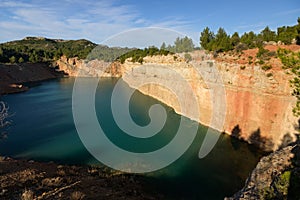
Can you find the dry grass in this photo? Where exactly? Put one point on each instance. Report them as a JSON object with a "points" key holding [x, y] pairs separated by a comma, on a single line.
{"points": [[27, 195], [77, 195]]}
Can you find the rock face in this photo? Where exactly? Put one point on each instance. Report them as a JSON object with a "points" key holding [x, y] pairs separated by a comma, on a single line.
{"points": [[95, 68], [276, 176], [246, 102], [13, 76]]}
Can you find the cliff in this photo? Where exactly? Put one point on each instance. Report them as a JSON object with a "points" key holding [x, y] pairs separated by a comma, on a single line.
{"points": [[13, 76], [276, 176], [244, 101]]}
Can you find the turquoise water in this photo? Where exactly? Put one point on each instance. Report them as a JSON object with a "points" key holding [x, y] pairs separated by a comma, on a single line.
{"points": [[43, 129]]}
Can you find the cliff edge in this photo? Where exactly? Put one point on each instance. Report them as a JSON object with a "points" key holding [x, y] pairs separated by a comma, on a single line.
{"points": [[244, 99]]}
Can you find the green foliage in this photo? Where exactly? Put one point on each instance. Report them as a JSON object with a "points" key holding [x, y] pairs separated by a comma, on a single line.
{"points": [[261, 62], [180, 45], [268, 35], [222, 41], [107, 54], [183, 45], [243, 67], [278, 189], [33, 49], [219, 42], [206, 39], [261, 52], [12, 59], [137, 55], [265, 54], [187, 57], [163, 46], [283, 182], [21, 60], [250, 39], [235, 39], [266, 67], [291, 62], [269, 75]]}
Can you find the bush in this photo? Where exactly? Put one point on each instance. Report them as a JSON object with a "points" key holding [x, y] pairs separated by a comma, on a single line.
{"points": [[243, 67], [241, 47], [266, 67], [269, 75], [27, 195], [261, 62], [188, 57]]}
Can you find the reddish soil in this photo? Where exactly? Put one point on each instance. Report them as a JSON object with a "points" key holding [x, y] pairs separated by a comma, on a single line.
{"points": [[248, 57]]}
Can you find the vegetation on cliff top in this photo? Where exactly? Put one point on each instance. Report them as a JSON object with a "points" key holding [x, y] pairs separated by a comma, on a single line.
{"points": [[291, 62], [222, 42], [33, 49], [37, 49], [180, 45]]}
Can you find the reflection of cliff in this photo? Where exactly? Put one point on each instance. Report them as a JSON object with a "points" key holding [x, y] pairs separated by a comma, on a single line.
{"points": [[258, 108]]}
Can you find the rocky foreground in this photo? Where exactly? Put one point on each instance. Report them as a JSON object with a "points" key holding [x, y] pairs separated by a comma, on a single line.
{"points": [[33, 180], [276, 176]]}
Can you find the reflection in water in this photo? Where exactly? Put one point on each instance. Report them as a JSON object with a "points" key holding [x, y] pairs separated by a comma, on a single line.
{"points": [[49, 134]]}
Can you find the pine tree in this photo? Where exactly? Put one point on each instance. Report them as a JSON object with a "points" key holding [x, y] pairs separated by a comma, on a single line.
{"points": [[206, 39]]}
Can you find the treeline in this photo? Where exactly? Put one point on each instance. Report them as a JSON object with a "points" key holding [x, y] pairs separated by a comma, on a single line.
{"points": [[222, 42], [138, 55], [180, 45], [34, 49]]}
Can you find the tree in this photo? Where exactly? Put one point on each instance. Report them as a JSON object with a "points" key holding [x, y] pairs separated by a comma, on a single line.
{"points": [[12, 59], [248, 39], [235, 39], [163, 46], [222, 41], [206, 39], [21, 60], [268, 35], [183, 45], [187, 57]]}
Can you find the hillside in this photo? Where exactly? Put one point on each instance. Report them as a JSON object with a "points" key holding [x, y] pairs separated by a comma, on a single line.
{"points": [[39, 49]]}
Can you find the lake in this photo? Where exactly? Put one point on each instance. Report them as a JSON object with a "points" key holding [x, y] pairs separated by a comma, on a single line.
{"points": [[43, 129]]}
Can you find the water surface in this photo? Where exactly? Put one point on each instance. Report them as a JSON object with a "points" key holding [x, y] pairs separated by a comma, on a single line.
{"points": [[43, 129]]}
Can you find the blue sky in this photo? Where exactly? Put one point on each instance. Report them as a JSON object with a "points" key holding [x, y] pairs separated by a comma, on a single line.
{"points": [[99, 20]]}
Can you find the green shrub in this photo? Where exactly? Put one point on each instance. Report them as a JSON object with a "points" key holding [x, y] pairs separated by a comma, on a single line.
{"points": [[266, 67], [261, 62], [243, 67], [187, 57], [269, 74]]}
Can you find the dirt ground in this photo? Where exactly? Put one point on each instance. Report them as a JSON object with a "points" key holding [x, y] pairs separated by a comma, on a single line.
{"points": [[20, 179]]}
